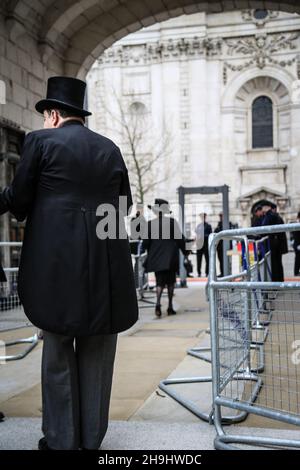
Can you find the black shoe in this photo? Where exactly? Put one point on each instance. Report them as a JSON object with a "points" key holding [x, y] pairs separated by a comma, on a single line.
{"points": [[171, 311], [158, 311], [1, 417], [43, 444]]}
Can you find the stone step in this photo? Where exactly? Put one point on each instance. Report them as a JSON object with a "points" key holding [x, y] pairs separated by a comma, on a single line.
{"points": [[24, 433]]}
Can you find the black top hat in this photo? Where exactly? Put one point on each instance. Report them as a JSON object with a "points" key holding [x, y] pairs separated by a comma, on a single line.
{"points": [[65, 93], [160, 205]]}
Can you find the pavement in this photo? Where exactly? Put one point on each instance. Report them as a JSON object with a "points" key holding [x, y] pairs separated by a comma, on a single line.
{"points": [[141, 415]]}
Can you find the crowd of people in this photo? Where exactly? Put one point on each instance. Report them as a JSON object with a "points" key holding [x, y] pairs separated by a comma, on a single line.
{"points": [[163, 252], [163, 255]]}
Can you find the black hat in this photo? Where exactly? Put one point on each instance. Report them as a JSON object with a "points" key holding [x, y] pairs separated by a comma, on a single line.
{"points": [[160, 205], [65, 93]]}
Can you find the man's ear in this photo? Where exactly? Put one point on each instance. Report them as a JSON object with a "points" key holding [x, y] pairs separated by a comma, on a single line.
{"points": [[55, 117]]}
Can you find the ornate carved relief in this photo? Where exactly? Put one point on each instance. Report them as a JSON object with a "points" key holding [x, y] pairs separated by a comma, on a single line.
{"points": [[261, 47], [260, 194], [162, 50], [249, 15]]}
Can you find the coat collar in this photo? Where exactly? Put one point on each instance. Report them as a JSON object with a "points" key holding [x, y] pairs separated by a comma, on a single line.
{"points": [[71, 122]]}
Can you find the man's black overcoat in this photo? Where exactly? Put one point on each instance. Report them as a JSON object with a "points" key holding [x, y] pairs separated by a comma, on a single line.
{"points": [[71, 282]]}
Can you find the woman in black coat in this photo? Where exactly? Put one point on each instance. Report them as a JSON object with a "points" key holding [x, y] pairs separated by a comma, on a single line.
{"points": [[163, 243]]}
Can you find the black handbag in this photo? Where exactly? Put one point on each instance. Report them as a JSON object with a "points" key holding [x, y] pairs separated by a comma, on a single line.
{"points": [[188, 266]]}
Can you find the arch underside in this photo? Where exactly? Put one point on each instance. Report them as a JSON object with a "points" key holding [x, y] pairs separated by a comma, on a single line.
{"points": [[258, 86], [79, 30]]}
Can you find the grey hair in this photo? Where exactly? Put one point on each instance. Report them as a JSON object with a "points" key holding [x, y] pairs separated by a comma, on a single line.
{"points": [[65, 113]]}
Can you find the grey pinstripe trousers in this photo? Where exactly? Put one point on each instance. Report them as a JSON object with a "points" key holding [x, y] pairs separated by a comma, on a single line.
{"points": [[76, 388]]}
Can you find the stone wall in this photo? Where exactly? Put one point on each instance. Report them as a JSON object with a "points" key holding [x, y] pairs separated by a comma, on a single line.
{"points": [[25, 78]]}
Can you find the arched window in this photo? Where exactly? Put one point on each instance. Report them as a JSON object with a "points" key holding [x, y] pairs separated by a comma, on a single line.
{"points": [[262, 122]]}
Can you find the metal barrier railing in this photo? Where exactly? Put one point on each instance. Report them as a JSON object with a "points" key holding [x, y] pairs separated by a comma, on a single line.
{"points": [[199, 352], [260, 272], [10, 303], [141, 277], [236, 308]]}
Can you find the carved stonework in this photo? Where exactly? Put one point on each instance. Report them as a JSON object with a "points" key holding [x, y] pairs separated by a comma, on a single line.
{"points": [[162, 50], [262, 194], [213, 46], [245, 205], [7, 123], [262, 47], [225, 74], [248, 15], [298, 66]]}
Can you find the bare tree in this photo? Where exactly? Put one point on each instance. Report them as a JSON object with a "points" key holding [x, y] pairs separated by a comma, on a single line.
{"points": [[143, 149]]}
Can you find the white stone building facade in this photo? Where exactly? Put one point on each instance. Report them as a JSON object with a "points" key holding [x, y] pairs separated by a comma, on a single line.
{"points": [[226, 87]]}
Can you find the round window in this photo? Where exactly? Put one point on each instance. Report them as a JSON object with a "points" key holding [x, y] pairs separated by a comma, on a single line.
{"points": [[260, 14]]}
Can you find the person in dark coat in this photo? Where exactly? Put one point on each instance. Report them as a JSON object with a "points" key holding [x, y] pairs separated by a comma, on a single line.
{"points": [[2, 280], [277, 243], [220, 253], [138, 229], [74, 284], [218, 229], [203, 230], [282, 235], [258, 217], [296, 246], [164, 239], [2, 274]]}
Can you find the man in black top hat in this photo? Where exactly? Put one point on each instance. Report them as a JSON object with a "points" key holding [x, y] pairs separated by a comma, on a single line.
{"points": [[74, 284]]}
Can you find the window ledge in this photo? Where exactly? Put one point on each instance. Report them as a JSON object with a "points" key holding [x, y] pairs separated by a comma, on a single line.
{"points": [[263, 149]]}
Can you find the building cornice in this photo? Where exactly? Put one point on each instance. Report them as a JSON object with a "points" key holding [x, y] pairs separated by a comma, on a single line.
{"points": [[163, 50], [238, 53]]}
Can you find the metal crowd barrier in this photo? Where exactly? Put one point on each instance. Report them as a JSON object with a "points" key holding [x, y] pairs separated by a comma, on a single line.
{"points": [[199, 353], [141, 277], [237, 308], [249, 272], [261, 272], [10, 303]]}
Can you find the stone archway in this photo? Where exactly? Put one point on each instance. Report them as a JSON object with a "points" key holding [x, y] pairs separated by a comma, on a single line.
{"points": [[261, 202], [260, 196], [55, 37], [77, 31]]}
